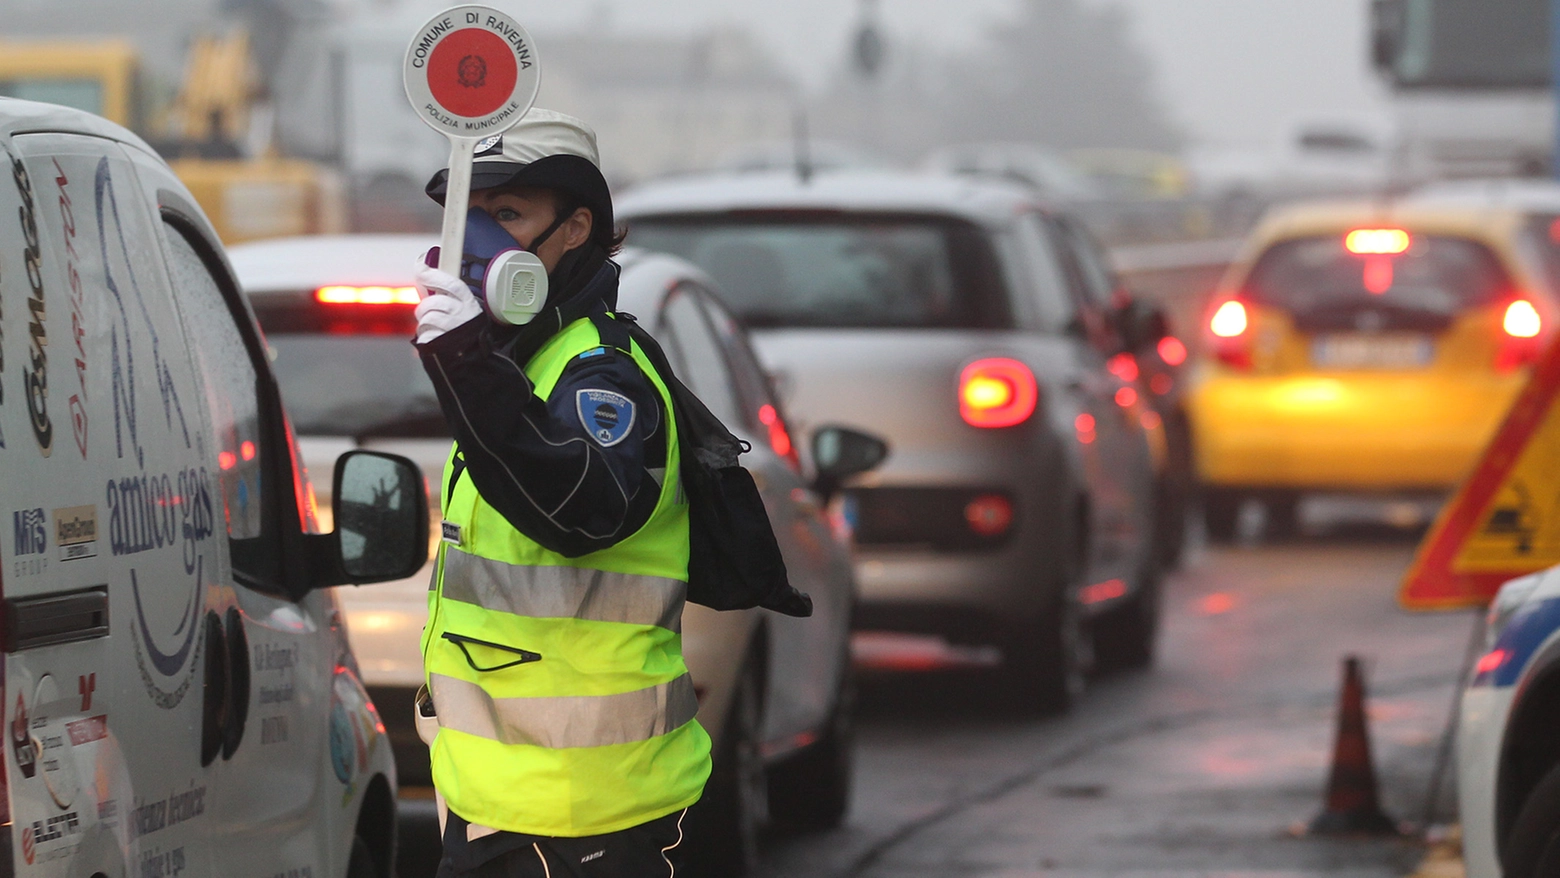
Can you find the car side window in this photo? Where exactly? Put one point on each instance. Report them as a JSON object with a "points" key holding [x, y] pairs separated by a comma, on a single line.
{"points": [[1097, 282], [696, 354], [225, 365], [752, 383], [1044, 275]]}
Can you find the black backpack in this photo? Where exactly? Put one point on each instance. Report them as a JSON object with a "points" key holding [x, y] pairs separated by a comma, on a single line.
{"points": [[734, 562]]}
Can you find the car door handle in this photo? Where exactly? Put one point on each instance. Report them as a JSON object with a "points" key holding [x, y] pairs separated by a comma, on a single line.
{"points": [[52, 619]]}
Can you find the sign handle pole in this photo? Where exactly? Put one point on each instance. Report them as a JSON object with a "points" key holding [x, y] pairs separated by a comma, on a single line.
{"points": [[457, 198]]}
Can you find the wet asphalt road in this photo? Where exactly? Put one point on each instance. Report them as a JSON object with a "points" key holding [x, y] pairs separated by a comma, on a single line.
{"points": [[1204, 765]]}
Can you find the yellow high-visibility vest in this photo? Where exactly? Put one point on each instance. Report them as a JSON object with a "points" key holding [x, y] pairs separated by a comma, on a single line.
{"points": [[598, 734]]}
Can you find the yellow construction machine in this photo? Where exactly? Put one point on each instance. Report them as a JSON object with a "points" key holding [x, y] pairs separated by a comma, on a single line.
{"points": [[207, 131]]}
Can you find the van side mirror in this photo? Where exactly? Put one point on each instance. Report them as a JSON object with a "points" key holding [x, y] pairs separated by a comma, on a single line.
{"points": [[380, 503], [839, 453]]}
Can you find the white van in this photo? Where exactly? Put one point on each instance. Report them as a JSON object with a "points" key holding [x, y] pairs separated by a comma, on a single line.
{"points": [[179, 697]]}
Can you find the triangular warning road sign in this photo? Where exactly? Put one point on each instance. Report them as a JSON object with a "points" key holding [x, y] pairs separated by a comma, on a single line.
{"points": [[1504, 521]]}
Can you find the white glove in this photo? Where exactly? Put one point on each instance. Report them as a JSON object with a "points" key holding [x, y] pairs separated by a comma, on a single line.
{"points": [[447, 303]]}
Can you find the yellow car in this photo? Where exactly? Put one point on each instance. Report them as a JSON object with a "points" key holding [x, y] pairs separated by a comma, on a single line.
{"points": [[1367, 347]]}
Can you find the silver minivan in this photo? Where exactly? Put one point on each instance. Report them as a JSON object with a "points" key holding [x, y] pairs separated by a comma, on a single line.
{"points": [[179, 695]]}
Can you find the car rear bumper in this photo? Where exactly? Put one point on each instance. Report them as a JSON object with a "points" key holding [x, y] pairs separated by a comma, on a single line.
{"points": [[969, 589], [1345, 432]]}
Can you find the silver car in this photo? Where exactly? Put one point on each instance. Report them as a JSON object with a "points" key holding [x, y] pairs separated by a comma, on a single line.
{"points": [[775, 692], [971, 328]]}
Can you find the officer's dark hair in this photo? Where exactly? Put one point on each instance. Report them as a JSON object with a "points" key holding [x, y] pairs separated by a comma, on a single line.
{"points": [[565, 203]]}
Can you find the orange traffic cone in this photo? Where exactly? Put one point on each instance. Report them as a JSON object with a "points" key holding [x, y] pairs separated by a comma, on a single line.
{"points": [[1352, 803]]}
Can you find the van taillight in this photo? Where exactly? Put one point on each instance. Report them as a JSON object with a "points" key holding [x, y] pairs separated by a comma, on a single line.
{"points": [[1520, 327], [997, 392], [1231, 330]]}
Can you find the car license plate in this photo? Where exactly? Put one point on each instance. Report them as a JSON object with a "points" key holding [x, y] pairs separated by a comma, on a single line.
{"points": [[1372, 351]]}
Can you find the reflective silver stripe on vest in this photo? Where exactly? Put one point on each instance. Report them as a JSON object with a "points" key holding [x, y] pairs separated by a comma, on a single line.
{"points": [[563, 592], [567, 721]]}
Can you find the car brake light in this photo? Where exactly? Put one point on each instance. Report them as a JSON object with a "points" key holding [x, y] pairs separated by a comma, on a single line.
{"points": [[1229, 325], [1230, 320], [1521, 324], [989, 515], [779, 437], [345, 295], [1522, 320], [1123, 366], [1377, 242], [1491, 661], [997, 392], [1172, 351]]}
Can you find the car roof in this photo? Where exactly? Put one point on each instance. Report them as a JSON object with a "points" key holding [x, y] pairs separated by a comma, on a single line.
{"points": [[1481, 222], [288, 265], [26, 117], [307, 262], [975, 199]]}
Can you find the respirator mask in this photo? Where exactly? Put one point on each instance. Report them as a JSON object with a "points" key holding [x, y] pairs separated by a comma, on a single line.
{"points": [[509, 279]]}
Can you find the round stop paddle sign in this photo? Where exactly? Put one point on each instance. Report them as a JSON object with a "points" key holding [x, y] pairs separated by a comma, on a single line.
{"points": [[472, 71]]}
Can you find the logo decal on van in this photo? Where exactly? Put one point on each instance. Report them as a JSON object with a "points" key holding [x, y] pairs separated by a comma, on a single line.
{"points": [[36, 377], [78, 408], [121, 351], [172, 663], [75, 532], [31, 534]]}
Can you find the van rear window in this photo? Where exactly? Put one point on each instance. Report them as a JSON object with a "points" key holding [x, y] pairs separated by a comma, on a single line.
{"points": [[833, 270], [1443, 275]]}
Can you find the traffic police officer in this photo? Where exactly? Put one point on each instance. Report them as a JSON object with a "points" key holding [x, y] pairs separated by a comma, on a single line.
{"points": [[566, 740]]}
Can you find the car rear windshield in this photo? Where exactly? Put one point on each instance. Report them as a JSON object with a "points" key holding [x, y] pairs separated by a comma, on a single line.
{"points": [[348, 370], [1443, 275], [846, 271]]}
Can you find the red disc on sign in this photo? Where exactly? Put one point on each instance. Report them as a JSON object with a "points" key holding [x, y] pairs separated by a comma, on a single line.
{"points": [[472, 72]]}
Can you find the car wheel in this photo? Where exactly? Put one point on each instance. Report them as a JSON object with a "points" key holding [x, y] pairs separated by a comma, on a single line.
{"points": [[723, 825], [1533, 847], [1221, 515], [361, 863], [1048, 663], [1124, 637], [811, 790]]}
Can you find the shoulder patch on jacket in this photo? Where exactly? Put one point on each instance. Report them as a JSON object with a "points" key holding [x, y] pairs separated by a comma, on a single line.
{"points": [[605, 415]]}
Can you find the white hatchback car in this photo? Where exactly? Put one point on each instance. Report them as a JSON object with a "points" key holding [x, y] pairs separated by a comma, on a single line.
{"points": [[178, 692], [775, 692], [1508, 757]]}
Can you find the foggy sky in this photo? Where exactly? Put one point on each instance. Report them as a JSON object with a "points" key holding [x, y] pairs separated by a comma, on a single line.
{"points": [[1234, 72]]}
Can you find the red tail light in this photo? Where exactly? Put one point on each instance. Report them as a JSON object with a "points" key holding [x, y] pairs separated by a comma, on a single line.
{"points": [[1123, 366], [779, 437], [1377, 242], [989, 515], [1521, 325], [1172, 351], [345, 295], [1522, 320], [997, 392], [1231, 328]]}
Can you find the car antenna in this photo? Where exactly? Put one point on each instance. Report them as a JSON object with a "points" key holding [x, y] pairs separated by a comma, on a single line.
{"points": [[803, 146]]}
